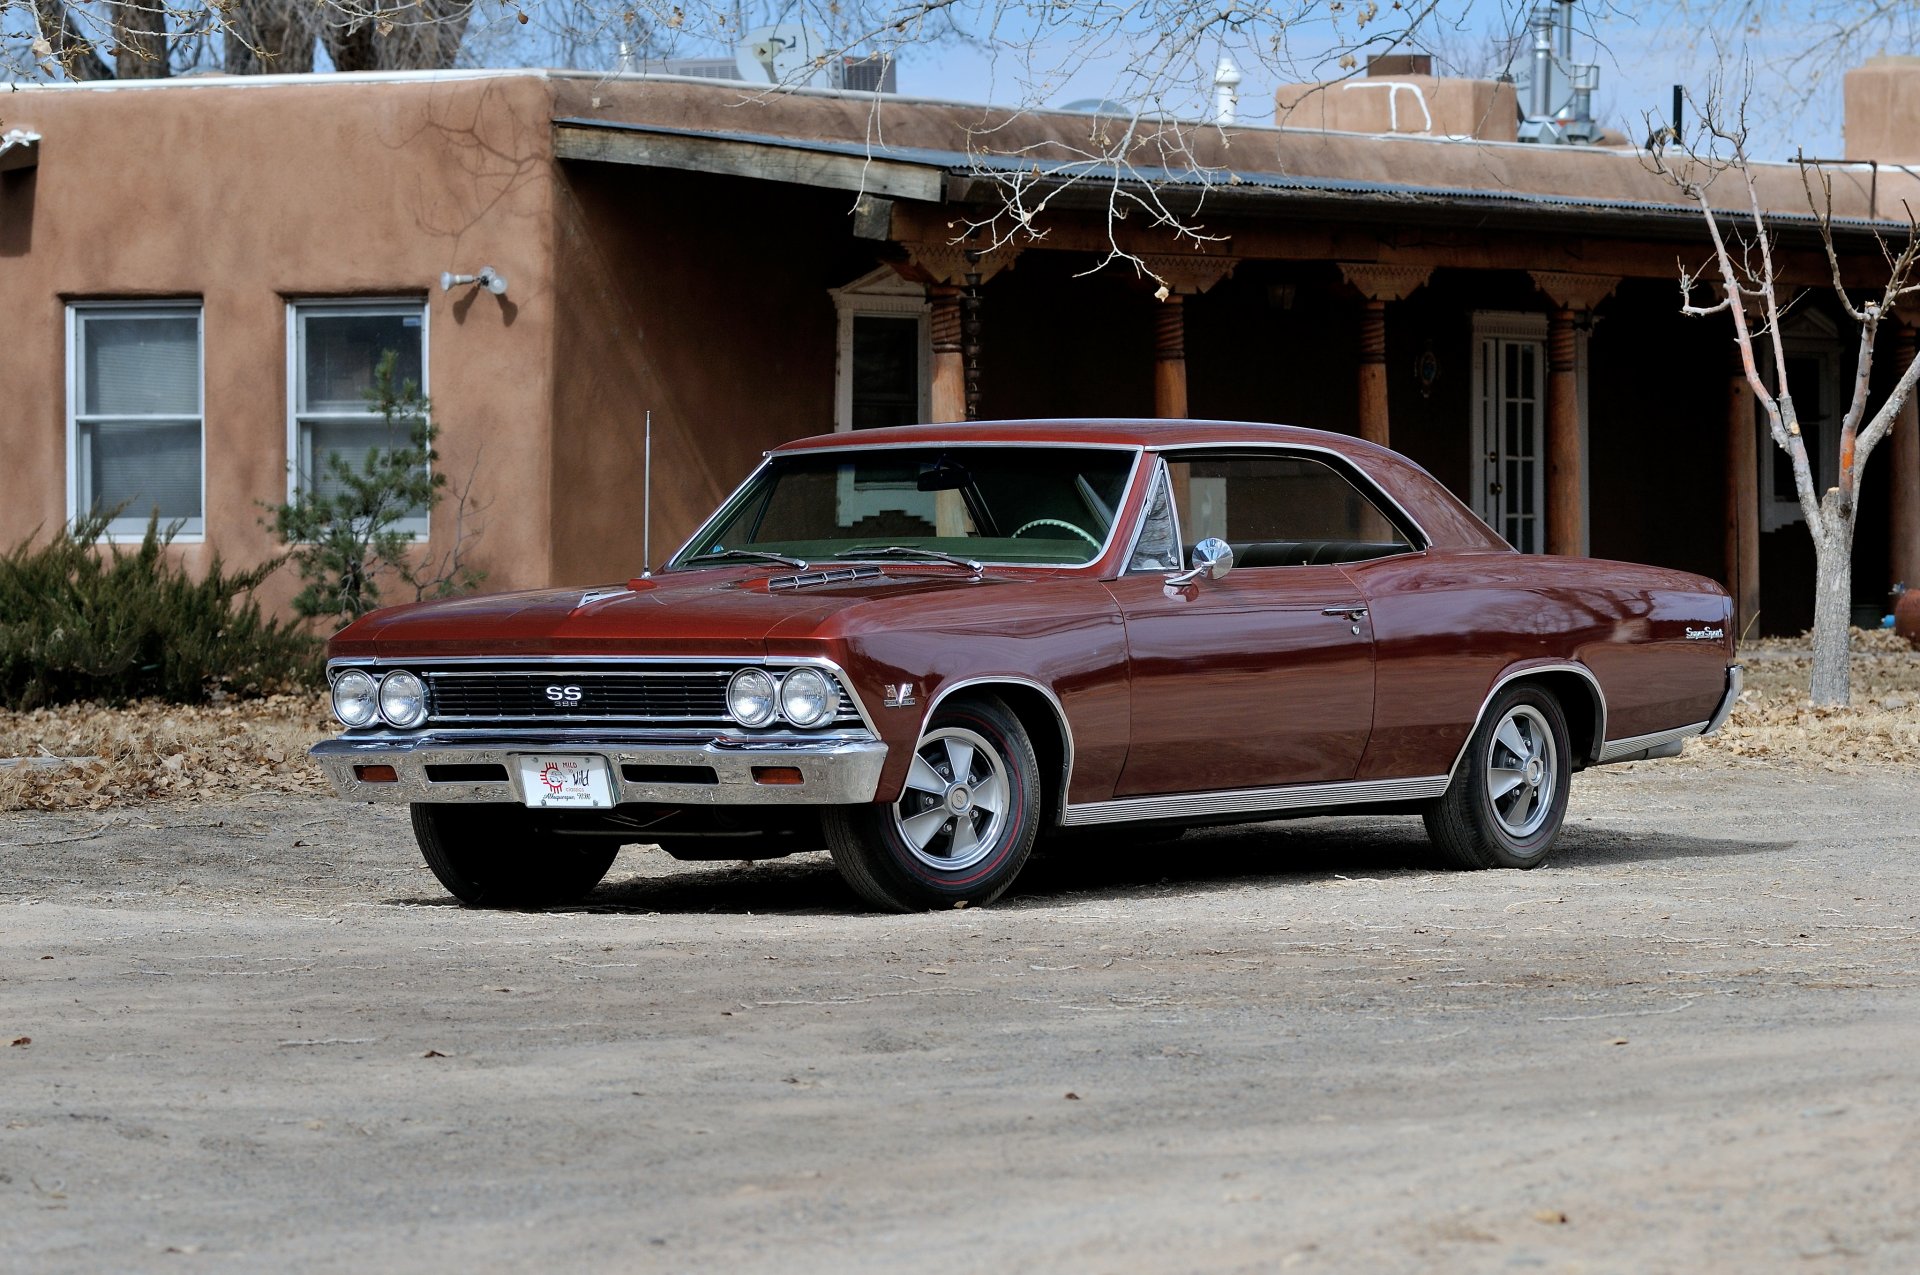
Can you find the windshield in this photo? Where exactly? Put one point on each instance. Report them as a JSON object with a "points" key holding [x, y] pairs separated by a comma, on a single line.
{"points": [[1049, 506]]}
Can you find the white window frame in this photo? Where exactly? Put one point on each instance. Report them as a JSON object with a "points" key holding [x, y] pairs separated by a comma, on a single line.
{"points": [[349, 307], [77, 504], [881, 292]]}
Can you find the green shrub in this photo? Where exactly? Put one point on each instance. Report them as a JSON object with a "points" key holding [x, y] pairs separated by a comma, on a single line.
{"points": [[83, 622], [343, 529]]}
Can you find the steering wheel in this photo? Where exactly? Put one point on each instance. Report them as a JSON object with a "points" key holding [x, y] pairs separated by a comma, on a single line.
{"points": [[1055, 522]]}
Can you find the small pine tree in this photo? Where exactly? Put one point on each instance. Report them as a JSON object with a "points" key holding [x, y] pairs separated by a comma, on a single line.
{"points": [[343, 527]]}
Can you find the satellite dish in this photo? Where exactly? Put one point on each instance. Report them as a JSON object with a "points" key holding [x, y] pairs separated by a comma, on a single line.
{"points": [[788, 54]]}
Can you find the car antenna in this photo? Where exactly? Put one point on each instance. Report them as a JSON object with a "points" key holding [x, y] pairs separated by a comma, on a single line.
{"points": [[646, 501]]}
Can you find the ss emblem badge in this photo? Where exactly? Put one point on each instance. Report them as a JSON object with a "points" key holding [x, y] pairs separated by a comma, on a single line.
{"points": [[563, 696]]}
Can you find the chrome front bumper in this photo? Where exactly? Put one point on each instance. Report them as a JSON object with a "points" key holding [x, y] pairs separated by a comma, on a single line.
{"points": [[839, 770], [1736, 678]]}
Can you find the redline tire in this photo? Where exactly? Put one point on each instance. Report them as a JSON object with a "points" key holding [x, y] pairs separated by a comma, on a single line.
{"points": [[498, 856], [964, 826], [1508, 799]]}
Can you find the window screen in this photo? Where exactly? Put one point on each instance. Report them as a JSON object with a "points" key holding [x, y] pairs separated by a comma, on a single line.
{"points": [[137, 422]]}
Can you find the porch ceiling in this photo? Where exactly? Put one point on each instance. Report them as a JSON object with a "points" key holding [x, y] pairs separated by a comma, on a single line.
{"points": [[956, 177]]}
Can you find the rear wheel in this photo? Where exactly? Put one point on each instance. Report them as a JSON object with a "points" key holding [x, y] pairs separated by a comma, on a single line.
{"points": [[962, 828], [1506, 803], [497, 856]]}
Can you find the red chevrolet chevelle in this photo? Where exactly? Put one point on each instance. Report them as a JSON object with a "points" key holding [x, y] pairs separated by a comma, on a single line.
{"points": [[927, 647]]}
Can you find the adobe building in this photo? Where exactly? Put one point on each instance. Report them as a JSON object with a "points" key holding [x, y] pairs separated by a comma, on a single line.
{"points": [[197, 275]]}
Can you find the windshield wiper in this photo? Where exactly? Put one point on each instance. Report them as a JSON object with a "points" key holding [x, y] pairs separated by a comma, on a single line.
{"points": [[758, 555], [912, 551]]}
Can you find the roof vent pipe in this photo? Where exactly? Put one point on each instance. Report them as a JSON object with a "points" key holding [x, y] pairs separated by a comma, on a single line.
{"points": [[1226, 91], [1540, 85]]}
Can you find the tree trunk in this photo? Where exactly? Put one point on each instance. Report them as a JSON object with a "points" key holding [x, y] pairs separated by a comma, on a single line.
{"points": [[269, 37], [1833, 609], [140, 39]]}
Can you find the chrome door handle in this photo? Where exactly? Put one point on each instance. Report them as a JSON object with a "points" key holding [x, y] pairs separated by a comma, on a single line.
{"points": [[1345, 613]]}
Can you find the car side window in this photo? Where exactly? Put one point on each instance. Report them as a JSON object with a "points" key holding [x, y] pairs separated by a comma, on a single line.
{"points": [[1157, 548], [1279, 510]]}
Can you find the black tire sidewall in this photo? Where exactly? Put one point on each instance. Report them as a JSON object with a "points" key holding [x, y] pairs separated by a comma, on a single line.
{"points": [[1506, 850], [906, 875]]}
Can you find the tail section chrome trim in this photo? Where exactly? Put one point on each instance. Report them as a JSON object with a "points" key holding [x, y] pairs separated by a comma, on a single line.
{"points": [[1736, 679], [1629, 748], [1188, 805]]}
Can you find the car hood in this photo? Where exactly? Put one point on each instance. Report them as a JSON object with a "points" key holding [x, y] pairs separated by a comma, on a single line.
{"points": [[722, 612]]}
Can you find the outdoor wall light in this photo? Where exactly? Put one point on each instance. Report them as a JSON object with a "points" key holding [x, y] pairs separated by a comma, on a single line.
{"points": [[489, 278]]}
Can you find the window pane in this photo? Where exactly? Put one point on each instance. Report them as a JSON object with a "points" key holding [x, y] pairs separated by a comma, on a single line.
{"points": [[342, 351], [144, 466], [1273, 502], [140, 366], [352, 441], [886, 370]]}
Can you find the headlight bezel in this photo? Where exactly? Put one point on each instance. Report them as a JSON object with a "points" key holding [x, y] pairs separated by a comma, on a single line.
{"points": [[352, 679], [396, 684], [800, 681], [737, 688]]}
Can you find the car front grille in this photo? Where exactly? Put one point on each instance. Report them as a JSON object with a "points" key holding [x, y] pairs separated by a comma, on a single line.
{"points": [[690, 697]]}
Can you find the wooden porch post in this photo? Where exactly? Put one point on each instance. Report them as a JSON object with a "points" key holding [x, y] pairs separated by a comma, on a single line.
{"points": [[1378, 284], [1905, 519], [1170, 358], [1572, 295], [949, 389], [1743, 501], [1566, 509], [944, 268], [1181, 276]]}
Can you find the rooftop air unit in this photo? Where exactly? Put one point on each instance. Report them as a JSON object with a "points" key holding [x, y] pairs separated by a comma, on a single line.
{"points": [[1558, 91]]}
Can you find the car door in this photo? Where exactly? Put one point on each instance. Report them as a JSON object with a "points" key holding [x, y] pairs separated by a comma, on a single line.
{"points": [[1263, 677]]}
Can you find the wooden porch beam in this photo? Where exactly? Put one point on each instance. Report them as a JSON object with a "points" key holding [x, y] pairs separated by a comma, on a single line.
{"points": [[731, 157]]}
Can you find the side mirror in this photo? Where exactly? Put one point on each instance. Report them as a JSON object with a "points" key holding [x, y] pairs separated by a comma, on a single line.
{"points": [[1212, 558]]}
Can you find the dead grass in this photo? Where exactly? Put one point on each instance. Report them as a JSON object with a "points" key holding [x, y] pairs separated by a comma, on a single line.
{"points": [[159, 752]]}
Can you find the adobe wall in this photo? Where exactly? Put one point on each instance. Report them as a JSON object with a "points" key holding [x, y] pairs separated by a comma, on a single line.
{"points": [[248, 195]]}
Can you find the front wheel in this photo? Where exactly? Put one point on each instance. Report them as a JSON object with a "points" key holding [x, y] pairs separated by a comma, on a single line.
{"points": [[1506, 802], [499, 856], [962, 828]]}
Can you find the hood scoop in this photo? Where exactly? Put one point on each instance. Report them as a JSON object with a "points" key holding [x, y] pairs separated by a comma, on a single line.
{"points": [[831, 575]]}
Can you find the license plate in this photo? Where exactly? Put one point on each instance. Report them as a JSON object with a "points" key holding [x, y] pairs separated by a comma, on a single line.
{"points": [[551, 782]]}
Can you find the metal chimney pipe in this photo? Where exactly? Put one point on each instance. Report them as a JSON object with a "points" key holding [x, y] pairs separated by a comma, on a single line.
{"points": [[1565, 31], [1539, 86]]}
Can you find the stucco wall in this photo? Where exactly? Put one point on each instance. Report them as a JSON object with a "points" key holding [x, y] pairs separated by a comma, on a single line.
{"points": [[705, 299], [248, 195]]}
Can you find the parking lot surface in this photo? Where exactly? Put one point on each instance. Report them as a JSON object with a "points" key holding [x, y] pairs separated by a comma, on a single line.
{"points": [[254, 1035]]}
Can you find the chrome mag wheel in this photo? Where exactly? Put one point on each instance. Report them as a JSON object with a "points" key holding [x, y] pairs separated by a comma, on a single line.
{"points": [[1522, 771], [951, 814]]}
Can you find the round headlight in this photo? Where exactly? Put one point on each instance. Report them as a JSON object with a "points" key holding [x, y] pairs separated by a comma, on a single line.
{"points": [[750, 697], [355, 698], [807, 698], [403, 699]]}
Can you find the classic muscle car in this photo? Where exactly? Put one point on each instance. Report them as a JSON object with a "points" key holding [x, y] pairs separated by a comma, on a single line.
{"points": [[927, 647]]}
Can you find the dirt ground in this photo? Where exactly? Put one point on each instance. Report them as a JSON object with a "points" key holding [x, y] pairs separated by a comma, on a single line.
{"points": [[250, 1033]]}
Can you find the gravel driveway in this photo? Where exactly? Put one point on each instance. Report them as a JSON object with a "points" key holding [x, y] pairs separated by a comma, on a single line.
{"points": [[260, 1038]]}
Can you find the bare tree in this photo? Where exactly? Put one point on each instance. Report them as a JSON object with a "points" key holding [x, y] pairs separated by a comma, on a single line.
{"points": [[151, 39], [1744, 261]]}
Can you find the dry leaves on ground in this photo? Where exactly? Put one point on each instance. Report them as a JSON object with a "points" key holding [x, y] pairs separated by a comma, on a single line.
{"points": [[154, 751], [1775, 721]]}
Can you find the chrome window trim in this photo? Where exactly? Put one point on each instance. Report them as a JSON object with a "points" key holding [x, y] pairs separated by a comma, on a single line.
{"points": [[341, 663], [1231, 801], [1021, 680], [1530, 670], [1160, 475], [1126, 488]]}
